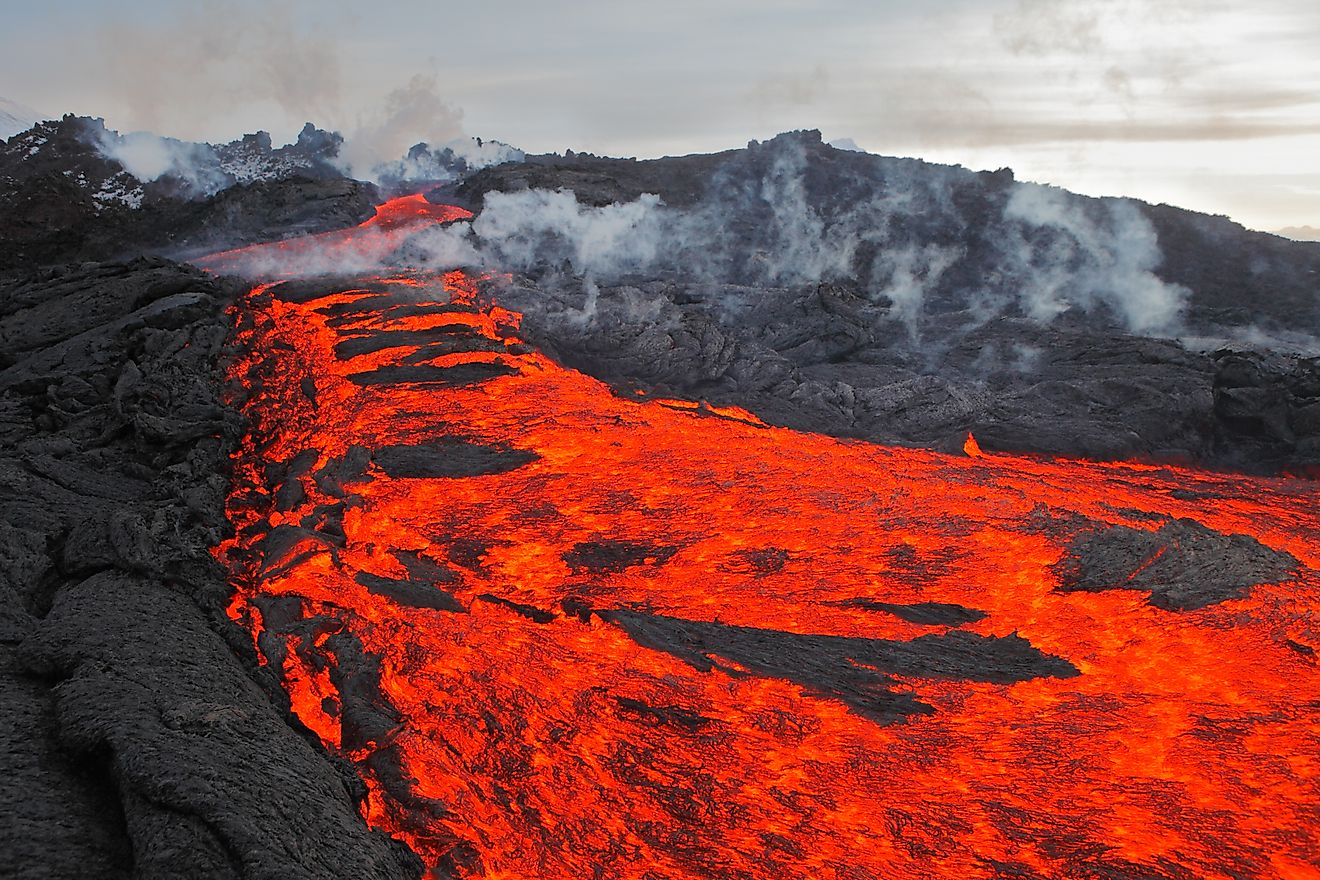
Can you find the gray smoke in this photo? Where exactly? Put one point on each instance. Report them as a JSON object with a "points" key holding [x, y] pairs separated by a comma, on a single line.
{"points": [[197, 62], [417, 135]]}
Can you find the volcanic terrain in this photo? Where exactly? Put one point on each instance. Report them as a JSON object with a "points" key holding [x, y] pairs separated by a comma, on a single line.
{"points": [[778, 513]]}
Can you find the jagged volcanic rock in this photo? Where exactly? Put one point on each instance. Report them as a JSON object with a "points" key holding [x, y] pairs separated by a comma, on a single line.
{"points": [[139, 743]]}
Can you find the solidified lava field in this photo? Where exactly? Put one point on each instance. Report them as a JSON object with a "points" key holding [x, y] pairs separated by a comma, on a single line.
{"points": [[564, 630]]}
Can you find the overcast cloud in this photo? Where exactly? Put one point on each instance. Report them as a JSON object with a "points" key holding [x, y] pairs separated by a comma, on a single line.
{"points": [[1209, 104]]}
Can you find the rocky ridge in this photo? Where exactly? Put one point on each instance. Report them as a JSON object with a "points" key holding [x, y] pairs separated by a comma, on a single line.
{"points": [[64, 196]]}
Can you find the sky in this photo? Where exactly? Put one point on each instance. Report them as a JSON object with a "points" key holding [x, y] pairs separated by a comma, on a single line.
{"points": [[1205, 104]]}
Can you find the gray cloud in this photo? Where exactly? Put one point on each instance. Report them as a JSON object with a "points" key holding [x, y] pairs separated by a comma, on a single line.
{"points": [[804, 88], [1045, 27], [1010, 132], [173, 72]]}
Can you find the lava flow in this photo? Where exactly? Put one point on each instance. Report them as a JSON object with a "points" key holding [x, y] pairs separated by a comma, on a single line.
{"points": [[354, 249], [564, 632]]}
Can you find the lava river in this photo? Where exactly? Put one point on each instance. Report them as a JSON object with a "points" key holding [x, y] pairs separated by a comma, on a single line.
{"points": [[568, 632]]}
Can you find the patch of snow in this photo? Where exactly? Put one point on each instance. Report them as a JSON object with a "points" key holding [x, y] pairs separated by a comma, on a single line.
{"points": [[253, 167], [122, 188], [28, 144]]}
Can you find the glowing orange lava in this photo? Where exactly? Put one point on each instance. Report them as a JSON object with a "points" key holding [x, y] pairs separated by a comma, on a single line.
{"points": [[352, 249], [507, 543]]}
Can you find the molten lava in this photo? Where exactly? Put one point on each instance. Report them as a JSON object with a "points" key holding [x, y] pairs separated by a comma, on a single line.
{"points": [[566, 633]]}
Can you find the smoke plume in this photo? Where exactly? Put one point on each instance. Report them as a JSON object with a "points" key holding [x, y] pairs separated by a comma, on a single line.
{"points": [[412, 114]]}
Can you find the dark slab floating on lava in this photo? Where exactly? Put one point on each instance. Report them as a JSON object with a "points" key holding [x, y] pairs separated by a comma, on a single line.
{"points": [[462, 345], [422, 569], [387, 305], [1183, 564], [301, 291], [435, 342], [433, 376], [286, 545], [676, 717], [531, 612], [856, 671], [924, 613], [410, 593], [449, 457], [612, 557]]}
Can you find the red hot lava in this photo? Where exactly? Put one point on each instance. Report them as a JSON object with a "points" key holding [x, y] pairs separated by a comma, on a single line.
{"points": [[562, 633]]}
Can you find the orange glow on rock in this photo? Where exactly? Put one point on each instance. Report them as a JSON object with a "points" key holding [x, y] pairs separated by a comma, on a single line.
{"points": [[504, 545], [971, 447]]}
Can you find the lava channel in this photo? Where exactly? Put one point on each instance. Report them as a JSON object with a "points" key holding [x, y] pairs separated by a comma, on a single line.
{"points": [[563, 633]]}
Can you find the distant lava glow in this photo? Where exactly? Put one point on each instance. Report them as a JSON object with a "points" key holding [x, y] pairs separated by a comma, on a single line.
{"points": [[566, 633]]}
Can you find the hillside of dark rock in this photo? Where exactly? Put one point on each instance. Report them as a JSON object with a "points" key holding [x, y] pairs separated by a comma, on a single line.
{"points": [[898, 301], [1235, 279]]}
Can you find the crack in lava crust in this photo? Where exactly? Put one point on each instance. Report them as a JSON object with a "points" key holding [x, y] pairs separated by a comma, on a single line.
{"points": [[562, 633]]}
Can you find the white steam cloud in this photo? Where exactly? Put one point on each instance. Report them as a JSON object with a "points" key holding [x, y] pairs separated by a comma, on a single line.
{"points": [[1089, 262], [527, 229], [149, 157], [1059, 253]]}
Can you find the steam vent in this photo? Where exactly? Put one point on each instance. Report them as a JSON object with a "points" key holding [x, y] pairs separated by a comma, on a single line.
{"points": [[779, 513]]}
